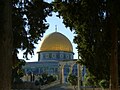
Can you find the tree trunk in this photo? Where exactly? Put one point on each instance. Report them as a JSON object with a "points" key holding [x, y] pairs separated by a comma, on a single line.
{"points": [[114, 57], [5, 44]]}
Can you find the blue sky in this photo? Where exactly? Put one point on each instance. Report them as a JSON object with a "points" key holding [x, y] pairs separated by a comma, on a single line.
{"points": [[60, 28]]}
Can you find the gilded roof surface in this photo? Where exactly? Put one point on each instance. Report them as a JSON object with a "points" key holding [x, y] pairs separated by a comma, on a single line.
{"points": [[56, 42]]}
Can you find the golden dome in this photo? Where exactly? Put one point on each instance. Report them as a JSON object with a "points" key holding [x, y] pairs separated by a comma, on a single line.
{"points": [[56, 42]]}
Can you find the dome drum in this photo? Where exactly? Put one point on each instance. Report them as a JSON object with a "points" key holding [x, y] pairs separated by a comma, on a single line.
{"points": [[54, 55]]}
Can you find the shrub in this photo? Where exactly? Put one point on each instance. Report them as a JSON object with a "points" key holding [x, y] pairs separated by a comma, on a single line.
{"points": [[104, 84]]}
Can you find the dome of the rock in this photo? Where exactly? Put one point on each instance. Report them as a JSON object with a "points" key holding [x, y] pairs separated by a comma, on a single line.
{"points": [[56, 42]]}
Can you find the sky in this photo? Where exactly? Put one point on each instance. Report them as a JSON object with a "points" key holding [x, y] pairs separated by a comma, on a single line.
{"points": [[53, 21]]}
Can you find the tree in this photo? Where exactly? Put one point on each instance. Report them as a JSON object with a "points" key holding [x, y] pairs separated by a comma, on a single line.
{"points": [[72, 79], [29, 23], [22, 25], [96, 24], [6, 39]]}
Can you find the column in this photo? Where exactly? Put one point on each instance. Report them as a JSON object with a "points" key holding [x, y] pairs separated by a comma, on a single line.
{"points": [[61, 74]]}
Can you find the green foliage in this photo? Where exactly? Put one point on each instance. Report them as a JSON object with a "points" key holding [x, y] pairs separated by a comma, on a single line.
{"points": [[104, 84], [29, 23], [37, 83], [89, 80], [17, 71], [91, 21], [46, 79], [72, 79], [50, 79]]}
